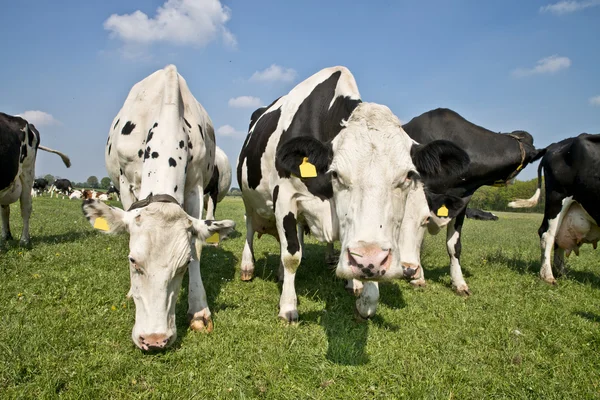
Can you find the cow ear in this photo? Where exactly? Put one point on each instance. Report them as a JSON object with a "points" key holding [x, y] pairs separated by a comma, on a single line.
{"points": [[300, 151], [209, 230], [105, 218], [439, 161], [443, 205]]}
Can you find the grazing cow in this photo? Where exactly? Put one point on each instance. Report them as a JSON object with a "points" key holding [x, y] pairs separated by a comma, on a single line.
{"points": [[160, 150], [319, 157], [571, 215], [474, 213], [219, 183], [62, 186], [19, 143], [112, 189], [39, 186], [495, 160]]}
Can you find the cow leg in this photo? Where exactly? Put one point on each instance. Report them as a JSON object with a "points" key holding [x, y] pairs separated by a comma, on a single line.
{"points": [[559, 261], [291, 253], [300, 228], [330, 257], [366, 304], [198, 311], [419, 278], [454, 247], [25, 214], [248, 253], [557, 207], [6, 235], [354, 287], [211, 206]]}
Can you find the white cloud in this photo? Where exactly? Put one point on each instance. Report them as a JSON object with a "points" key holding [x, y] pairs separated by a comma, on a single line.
{"points": [[228, 130], [595, 101], [182, 22], [245, 102], [548, 65], [274, 73], [39, 118], [568, 6]]}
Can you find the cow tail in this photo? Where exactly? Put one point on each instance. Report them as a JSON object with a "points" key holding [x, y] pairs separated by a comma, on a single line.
{"points": [[64, 157], [531, 202]]}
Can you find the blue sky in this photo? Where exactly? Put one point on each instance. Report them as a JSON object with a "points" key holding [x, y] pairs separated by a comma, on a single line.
{"points": [[509, 65]]}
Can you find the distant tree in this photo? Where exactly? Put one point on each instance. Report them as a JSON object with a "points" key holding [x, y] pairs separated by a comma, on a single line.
{"points": [[105, 182], [50, 179], [92, 181]]}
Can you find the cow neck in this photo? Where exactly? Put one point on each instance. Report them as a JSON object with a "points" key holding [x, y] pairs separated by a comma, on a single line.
{"points": [[156, 198], [504, 182]]}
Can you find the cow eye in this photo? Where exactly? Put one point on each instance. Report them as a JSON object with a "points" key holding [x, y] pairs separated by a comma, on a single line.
{"points": [[134, 264]]}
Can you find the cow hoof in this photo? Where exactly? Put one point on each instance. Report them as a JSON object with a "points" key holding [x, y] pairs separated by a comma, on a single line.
{"points": [[290, 317], [463, 291], [549, 280], [418, 283], [201, 324], [358, 317], [25, 243], [247, 275], [7, 237]]}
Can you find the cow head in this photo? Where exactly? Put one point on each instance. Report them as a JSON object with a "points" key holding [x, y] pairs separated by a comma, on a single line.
{"points": [[368, 170], [160, 248]]}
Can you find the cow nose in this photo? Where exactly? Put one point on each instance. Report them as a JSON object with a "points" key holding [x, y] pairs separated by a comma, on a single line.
{"points": [[154, 341], [409, 270], [370, 259]]}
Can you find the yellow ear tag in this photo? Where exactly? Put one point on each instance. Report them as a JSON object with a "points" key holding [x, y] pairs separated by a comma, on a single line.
{"points": [[100, 223], [214, 238], [442, 211], [307, 170]]}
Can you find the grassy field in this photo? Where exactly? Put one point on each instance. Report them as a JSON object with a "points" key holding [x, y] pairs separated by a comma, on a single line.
{"points": [[66, 323]]}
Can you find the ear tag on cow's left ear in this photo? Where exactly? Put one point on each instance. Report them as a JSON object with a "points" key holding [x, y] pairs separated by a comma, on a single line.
{"points": [[214, 238], [100, 223], [442, 211], [307, 170]]}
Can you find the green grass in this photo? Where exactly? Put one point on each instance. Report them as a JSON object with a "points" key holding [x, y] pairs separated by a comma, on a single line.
{"points": [[66, 324]]}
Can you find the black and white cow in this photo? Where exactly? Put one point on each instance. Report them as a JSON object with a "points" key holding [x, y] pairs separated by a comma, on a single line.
{"points": [[19, 143], [39, 186], [160, 150], [113, 189], [219, 183], [474, 213], [61, 186], [321, 158], [571, 214], [495, 160]]}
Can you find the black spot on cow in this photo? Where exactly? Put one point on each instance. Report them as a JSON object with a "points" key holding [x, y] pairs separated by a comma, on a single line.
{"points": [[149, 137], [190, 145], [155, 125], [179, 158], [201, 133], [181, 144], [175, 189], [275, 195], [191, 158], [128, 128], [147, 153], [116, 123], [30, 136], [154, 154], [291, 234], [187, 123], [140, 153], [208, 222], [109, 148], [23, 153], [172, 162], [120, 171]]}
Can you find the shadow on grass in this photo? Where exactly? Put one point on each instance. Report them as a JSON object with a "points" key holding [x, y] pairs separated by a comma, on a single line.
{"points": [[346, 335], [217, 267], [67, 237], [593, 317]]}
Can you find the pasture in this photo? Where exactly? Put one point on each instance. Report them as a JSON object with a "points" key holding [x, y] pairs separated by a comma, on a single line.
{"points": [[66, 323]]}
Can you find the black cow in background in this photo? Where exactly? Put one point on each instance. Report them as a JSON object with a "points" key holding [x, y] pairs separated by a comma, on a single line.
{"points": [[62, 186], [496, 158], [39, 186], [474, 213], [112, 189], [571, 213]]}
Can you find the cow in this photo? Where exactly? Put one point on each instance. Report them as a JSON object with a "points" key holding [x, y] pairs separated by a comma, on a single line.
{"points": [[571, 169], [219, 183], [112, 189], [39, 186], [19, 143], [495, 159], [62, 186], [76, 194], [320, 157], [160, 154], [474, 213]]}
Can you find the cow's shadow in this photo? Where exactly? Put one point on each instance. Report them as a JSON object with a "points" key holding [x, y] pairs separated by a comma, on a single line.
{"points": [[347, 335], [593, 317]]}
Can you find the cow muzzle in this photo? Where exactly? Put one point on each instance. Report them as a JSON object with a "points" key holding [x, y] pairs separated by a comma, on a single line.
{"points": [[368, 261], [409, 270], [154, 341]]}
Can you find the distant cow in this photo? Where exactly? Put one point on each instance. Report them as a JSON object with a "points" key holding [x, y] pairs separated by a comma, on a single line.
{"points": [[19, 142], [320, 157], [571, 213], [62, 186], [219, 183], [160, 150], [495, 160], [39, 186], [112, 189], [77, 194], [474, 213]]}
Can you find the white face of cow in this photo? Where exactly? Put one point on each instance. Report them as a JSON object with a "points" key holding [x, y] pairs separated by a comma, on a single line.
{"points": [[160, 248], [371, 176]]}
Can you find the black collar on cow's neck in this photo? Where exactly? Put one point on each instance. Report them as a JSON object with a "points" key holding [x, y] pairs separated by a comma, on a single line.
{"points": [[157, 198], [504, 182]]}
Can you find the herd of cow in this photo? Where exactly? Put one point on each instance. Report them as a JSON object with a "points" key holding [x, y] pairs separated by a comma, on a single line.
{"points": [[317, 160]]}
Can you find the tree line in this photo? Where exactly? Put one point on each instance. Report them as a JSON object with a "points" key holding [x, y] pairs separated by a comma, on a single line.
{"points": [[91, 182], [497, 198]]}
